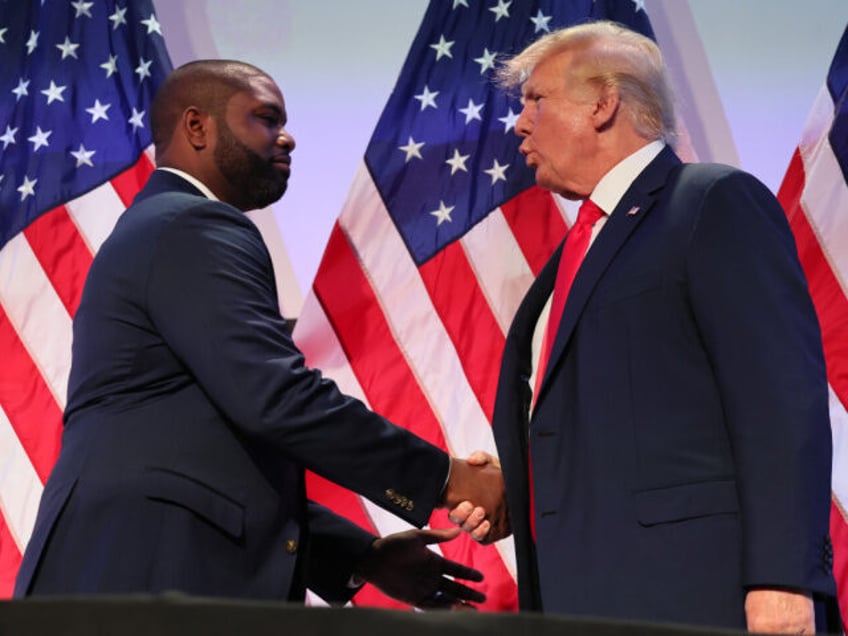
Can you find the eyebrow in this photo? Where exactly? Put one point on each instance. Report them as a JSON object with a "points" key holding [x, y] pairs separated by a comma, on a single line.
{"points": [[529, 90], [271, 106], [278, 111]]}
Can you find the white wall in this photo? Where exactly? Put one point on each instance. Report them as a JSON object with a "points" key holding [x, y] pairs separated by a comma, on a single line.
{"points": [[754, 66], [769, 59]]}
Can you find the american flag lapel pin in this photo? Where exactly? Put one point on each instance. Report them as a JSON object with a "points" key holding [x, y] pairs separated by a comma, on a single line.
{"points": [[632, 211]]}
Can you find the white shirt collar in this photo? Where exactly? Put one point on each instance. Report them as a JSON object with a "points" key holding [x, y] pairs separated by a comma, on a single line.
{"points": [[197, 183], [614, 184]]}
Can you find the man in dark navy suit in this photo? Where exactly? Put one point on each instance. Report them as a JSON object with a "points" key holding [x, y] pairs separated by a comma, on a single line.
{"points": [[667, 450], [191, 416]]}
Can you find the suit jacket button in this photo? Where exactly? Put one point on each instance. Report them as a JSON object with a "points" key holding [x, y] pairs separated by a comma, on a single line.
{"points": [[410, 506], [291, 546]]}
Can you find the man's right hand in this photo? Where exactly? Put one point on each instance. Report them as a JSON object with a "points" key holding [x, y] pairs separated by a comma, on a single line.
{"points": [[476, 497]]}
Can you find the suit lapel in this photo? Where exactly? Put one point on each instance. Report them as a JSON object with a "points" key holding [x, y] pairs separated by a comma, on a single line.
{"points": [[517, 356], [534, 301], [634, 206]]}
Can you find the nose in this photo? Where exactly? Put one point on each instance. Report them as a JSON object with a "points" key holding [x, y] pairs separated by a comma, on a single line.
{"points": [[523, 126], [285, 140]]}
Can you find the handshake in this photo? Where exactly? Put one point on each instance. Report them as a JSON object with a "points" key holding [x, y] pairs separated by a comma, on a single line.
{"points": [[402, 565], [476, 497]]}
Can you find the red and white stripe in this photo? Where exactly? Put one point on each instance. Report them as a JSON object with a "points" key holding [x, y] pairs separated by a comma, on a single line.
{"points": [[422, 345], [42, 272], [815, 196]]}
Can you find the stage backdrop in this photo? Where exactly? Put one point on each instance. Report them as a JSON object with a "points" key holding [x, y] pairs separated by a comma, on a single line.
{"points": [[755, 68], [746, 77]]}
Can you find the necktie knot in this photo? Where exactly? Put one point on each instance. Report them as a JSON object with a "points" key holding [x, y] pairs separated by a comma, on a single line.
{"points": [[589, 213]]}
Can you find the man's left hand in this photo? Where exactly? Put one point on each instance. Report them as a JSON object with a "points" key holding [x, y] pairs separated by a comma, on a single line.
{"points": [[779, 612], [403, 567]]}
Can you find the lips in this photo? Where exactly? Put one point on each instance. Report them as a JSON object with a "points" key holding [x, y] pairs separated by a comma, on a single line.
{"points": [[282, 163]]}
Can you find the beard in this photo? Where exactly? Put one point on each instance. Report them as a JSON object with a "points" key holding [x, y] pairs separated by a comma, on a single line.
{"points": [[258, 182]]}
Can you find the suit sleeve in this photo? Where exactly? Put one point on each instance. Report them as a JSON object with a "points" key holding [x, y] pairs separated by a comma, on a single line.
{"points": [[755, 315], [336, 546], [212, 295]]}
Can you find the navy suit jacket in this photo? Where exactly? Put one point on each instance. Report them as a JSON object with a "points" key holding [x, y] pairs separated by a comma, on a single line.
{"points": [[680, 441], [191, 418]]}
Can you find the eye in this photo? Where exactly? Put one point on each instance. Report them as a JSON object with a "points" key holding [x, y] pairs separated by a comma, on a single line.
{"points": [[269, 118], [530, 98]]}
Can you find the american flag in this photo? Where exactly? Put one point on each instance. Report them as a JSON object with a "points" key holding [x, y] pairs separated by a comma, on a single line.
{"points": [[441, 235], [814, 195], [75, 90]]}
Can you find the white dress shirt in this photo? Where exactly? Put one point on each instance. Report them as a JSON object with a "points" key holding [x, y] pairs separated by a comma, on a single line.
{"points": [[606, 195], [193, 181]]}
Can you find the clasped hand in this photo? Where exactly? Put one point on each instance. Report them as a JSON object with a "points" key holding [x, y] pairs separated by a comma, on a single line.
{"points": [[476, 497], [401, 564]]}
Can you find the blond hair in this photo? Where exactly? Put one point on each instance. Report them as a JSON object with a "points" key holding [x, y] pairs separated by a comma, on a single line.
{"points": [[607, 55]]}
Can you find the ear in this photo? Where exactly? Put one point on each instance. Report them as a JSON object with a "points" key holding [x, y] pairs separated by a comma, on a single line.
{"points": [[606, 108], [197, 127]]}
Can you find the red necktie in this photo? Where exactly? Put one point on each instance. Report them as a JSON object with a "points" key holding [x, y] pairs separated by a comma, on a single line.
{"points": [[575, 248]]}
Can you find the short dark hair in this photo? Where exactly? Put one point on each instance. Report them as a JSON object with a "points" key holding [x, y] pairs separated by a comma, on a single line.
{"points": [[205, 84]]}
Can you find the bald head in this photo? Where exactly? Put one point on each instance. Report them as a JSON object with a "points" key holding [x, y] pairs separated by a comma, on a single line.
{"points": [[223, 123], [207, 85]]}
